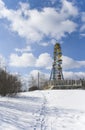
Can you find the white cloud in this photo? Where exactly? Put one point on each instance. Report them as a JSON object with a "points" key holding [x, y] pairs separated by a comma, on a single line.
{"points": [[69, 8], [69, 63], [28, 59], [44, 60], [34, 25], [22, 50], [74, 75], [25, 60]]}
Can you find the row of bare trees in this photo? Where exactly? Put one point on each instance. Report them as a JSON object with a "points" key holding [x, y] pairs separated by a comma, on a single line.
{"points": [[10, 84]]}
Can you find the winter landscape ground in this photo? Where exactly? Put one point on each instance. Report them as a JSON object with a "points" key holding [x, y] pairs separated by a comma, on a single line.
{"points": [[44, 110]]}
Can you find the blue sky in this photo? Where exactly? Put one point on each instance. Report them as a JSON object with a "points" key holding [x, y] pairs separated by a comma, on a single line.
{"points": [[30, 28]]}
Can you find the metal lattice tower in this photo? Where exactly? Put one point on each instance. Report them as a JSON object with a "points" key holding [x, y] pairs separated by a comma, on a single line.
{"points": [[56, 73]]}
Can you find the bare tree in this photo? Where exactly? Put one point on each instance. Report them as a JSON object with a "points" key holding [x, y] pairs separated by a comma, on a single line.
{"points": [[9, 84]]}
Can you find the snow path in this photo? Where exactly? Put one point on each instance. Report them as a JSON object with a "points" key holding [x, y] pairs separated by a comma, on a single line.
{"points": [[44, 110]]}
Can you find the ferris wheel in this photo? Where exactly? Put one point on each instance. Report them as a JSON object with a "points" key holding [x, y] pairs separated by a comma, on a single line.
{"points": [[56, 73]]}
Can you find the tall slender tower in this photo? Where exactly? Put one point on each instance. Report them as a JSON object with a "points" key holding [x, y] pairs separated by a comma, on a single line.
{"points": [[56, 73]]}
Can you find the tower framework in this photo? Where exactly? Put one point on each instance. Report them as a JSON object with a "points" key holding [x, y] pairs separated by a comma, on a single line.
{"points": [[56, 73]]}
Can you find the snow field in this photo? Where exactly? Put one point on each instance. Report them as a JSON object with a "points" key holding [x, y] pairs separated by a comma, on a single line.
{"points": [[44, 110]]}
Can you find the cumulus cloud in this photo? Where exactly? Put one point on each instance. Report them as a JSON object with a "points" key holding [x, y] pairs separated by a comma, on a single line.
{"points": [[69, 63], [44, 60], [34, 25], [73, 75], [69, 8], [24, 60], [28, 59]]}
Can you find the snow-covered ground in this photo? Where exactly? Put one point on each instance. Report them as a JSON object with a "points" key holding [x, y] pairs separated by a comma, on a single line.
{"points": [[44, 110]]}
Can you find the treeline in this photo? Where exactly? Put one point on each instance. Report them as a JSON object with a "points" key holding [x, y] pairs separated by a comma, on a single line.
{"points": [[10, 84]]}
